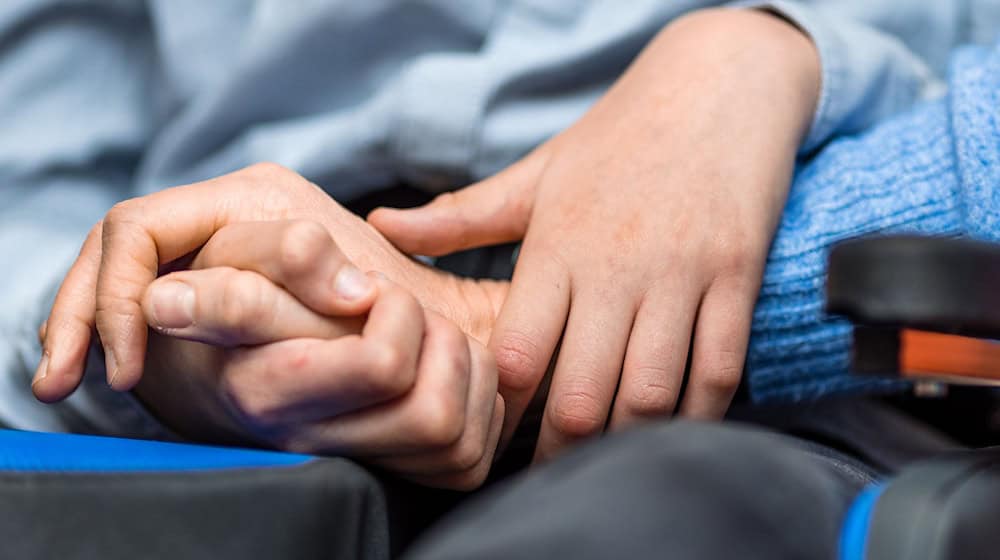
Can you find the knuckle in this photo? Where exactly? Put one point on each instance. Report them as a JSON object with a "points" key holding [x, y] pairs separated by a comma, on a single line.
{"points": [[392, 296], [468, 453], [449, 199], [438, 424], [518, 361], [388, 361], [388, 374], [735, 259], [451, 335], [454, 348], [267, 170], [122, 211], [112, 308], [577, 414], [458, 367], [244, 301], [722, 374], [302, 246], [122, 224], [405, 303], [650, 398], [253, 403], [272, 184]]}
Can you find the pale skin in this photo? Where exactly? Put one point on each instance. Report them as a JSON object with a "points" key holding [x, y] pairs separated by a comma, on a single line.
{"points": [[400, 387], [645, 229], [277, 371]]}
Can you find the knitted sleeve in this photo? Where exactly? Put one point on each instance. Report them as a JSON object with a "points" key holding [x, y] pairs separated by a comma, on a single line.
{"points": [[934, 170]]}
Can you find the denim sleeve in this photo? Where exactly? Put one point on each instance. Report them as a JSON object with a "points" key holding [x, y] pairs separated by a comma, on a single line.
{"points": [[879, 58], [55, 186]]}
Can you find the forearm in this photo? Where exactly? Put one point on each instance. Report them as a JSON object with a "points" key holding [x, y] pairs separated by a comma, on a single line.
{"points": [[743, 79], [730, 64]]}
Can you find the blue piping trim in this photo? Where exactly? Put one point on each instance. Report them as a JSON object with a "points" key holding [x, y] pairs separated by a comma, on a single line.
{"points": [[44, 452], [854, 532]]}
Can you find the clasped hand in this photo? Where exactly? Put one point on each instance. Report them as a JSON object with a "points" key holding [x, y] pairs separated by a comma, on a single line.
{"points": [[268, 332]]}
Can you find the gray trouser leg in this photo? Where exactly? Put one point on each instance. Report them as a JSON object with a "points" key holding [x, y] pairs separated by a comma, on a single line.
{"points": [[676, 490]]}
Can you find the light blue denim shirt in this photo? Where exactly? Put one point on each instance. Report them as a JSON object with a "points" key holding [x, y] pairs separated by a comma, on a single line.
{"points": [[101, 100]]}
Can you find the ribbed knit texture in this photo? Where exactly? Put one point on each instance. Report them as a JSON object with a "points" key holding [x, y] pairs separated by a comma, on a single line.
{"points": [[935, 170]]}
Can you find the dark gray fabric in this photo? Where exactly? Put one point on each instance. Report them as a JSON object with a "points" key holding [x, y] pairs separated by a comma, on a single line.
{"points": [[324, 509], [677, 490], [872, 431], [773, 485]]}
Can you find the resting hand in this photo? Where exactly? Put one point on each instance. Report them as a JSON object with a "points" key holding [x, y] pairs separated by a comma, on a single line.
{"points": [[645, 228]]}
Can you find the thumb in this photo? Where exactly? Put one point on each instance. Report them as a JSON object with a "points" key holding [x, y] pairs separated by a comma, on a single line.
{"points": [[494, 210]]}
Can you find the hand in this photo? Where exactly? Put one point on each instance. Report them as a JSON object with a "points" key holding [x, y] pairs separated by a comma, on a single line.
{"points": [[141, 238], [234, 358], [645, 228]]}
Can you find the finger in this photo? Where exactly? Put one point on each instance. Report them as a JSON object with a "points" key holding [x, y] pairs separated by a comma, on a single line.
{"points": [[300, 256], [527, 330], [656, 357], [65, 345], [471, 447], [228, 307], [494, 210], [429, 417], [587, 371], [140, 234], [305, 380], [719, 351], [471, 478]]}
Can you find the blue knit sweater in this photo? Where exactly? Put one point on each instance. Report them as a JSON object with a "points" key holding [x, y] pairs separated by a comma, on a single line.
{"points": [[934, 170]]}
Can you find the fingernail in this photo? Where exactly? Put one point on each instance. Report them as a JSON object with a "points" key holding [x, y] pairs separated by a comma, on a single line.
{"points": [[173, 305], [351, 283], [43, 369], [112, 365]]}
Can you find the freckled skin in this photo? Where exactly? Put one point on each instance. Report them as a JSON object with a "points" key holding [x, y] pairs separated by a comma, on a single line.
{"points": [[651, 213]]}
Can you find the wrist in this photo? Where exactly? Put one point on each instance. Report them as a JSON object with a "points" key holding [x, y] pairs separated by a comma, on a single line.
{"points": [[753, 61]]}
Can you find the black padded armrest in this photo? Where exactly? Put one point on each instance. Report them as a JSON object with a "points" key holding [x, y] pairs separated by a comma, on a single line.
{"points": [[948, 285], [922, 307]]}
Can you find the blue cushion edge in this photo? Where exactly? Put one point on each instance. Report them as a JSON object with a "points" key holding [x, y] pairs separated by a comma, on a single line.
{"points": [[854, 532], [22, 451]]}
